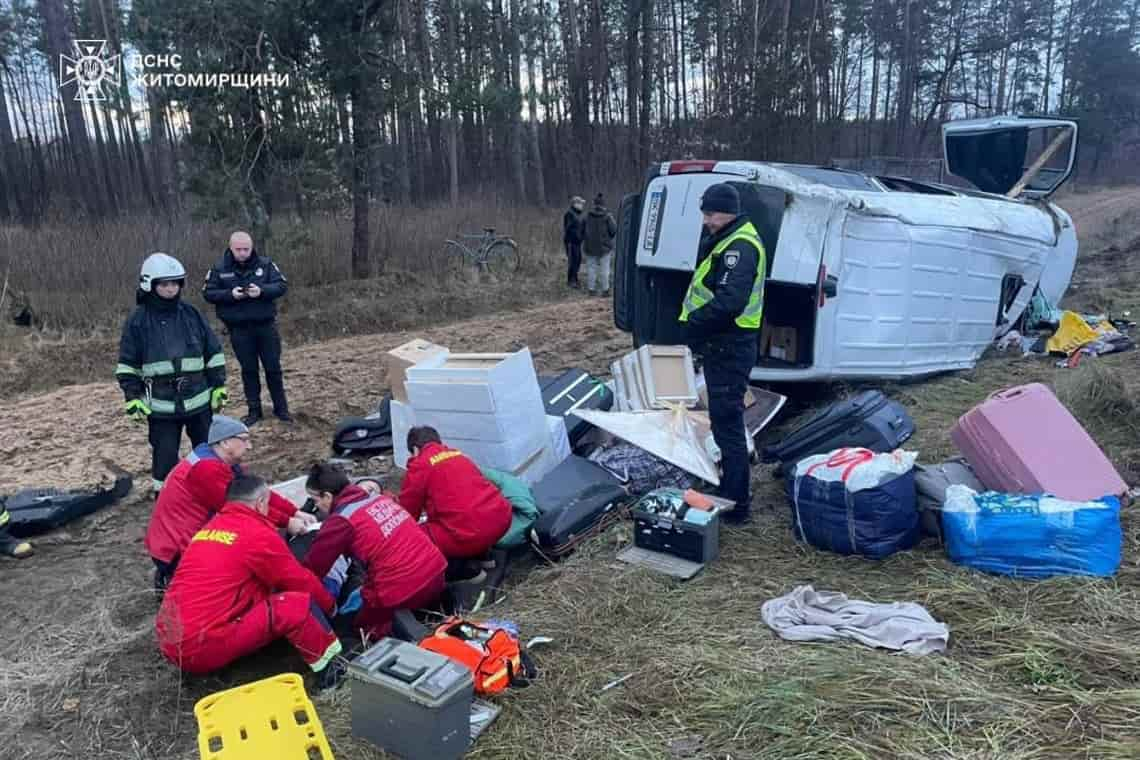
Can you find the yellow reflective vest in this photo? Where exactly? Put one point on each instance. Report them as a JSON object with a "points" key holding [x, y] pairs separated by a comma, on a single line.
{"points": [[699, 294]]}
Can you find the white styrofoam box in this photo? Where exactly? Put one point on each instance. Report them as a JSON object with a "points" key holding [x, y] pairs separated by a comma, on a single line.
{"points": [[403, 420], [497, 427], [559, 440], [501, 455], [483, 383]]}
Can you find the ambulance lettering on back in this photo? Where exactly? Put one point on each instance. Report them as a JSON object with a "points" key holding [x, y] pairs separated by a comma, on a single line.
{"points": [[217, 536]]}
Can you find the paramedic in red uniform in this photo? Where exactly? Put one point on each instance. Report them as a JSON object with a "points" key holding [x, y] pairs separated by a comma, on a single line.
{"points": [[238, 588], [196, 489], [403, 568], [466, 513]]}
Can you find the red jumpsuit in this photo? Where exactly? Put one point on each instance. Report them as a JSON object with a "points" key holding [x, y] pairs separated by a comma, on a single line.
{"points": [[237, 589], [194, 490], [466, 513], [404, 569]]}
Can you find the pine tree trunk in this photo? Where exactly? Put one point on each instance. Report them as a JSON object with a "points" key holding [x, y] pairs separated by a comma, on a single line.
{"points": [[451, 20], [632, 79], [57, 35], [517, 143], [15, 176], [533, 132], [364, 125], [647, 67]]}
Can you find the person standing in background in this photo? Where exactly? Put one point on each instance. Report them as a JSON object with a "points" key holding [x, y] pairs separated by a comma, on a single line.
{"points": [[244, 286], [573, 229], [599, 247]]}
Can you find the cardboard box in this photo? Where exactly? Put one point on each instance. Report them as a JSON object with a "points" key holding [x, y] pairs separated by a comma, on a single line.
{"points": [[779, 343], [399, 359], [668, 375]]}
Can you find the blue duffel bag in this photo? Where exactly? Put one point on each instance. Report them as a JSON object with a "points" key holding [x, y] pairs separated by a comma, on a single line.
{"points": [[1031, 536], [854, 501]]}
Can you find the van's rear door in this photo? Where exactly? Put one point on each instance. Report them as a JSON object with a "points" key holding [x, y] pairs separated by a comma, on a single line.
{"points": [[1000, 153]]}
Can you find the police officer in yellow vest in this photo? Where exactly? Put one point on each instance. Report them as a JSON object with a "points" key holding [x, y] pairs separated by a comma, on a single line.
{"points": [[721, 320]]}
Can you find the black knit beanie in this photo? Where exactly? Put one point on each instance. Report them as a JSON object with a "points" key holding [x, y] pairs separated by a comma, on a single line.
{"points": [[721, 197]]}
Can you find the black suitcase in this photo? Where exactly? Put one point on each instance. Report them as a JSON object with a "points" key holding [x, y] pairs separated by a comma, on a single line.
{"points": [[37, 510], [576, 500], [867, 420], [365, 435], [575, 389]]}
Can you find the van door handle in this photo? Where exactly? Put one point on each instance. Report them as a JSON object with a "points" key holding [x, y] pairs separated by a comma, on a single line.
{"points": [[830, 286]]}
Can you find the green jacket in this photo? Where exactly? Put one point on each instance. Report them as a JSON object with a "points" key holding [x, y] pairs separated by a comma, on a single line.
{"points": [[523, 506]]}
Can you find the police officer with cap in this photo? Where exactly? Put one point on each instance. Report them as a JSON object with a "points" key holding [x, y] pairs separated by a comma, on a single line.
{"points": [[720, 318], [244, 286]]}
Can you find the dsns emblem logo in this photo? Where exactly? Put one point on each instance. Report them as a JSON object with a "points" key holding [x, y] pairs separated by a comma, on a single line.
{"points": [[91, 69]]}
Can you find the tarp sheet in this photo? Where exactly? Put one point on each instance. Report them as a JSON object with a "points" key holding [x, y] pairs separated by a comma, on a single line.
{"points": [[674, 435]]}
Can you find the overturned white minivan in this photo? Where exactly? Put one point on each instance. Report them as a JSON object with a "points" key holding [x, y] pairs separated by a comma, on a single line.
{"points": [[868, 276]]}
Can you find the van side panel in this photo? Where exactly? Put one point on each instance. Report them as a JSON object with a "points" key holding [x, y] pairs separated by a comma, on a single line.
{"points": [[917, 299]]}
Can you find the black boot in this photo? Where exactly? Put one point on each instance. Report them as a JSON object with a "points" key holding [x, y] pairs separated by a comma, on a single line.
{"points": [[252, 418]]}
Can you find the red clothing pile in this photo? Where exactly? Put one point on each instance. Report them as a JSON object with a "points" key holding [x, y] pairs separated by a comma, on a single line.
{"points": [[466, 513], [193, 492], [237, 589], [403, 568]]}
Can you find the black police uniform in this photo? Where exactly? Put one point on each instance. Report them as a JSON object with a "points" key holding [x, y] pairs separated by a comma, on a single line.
{"points": [[728, 353], [252, 323], [171, 359]]}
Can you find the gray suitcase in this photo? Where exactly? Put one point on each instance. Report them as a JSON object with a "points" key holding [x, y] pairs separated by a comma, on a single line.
{"points": [[411, 702], [931, 482]]}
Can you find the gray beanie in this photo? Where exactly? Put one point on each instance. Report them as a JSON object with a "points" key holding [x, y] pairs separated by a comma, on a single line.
{"points": [[224, 427]]}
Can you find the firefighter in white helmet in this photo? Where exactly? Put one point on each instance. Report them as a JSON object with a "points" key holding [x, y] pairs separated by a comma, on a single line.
{"points": [[171, 367]]}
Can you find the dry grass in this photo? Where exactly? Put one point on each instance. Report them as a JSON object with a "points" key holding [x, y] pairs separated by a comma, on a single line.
{"points": [[78, 281], [80, 276]]}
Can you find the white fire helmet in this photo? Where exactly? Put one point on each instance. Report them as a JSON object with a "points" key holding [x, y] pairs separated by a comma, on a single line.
{"points": [[159, 267]]}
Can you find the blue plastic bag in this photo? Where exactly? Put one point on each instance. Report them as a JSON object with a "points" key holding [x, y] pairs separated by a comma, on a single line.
{"points": [[1031, 536]]}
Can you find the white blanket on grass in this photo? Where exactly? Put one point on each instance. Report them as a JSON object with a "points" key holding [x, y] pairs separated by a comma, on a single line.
{"points": [[809, 615]]}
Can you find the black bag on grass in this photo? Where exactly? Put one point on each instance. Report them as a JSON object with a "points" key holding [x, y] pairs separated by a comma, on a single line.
{"points": [[38, 510], [365, 435]]}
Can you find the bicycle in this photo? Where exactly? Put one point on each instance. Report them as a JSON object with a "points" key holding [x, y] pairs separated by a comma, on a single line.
{"points": [[498, 255]]}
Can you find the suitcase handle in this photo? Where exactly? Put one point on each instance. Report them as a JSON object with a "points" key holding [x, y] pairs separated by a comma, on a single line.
{"points": [[1008, 393]]}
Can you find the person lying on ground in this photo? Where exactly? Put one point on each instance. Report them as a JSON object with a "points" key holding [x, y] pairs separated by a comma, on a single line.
{"points": [[466, 513], [523, 507], [371, 485], [196, 489], [403, 568], [238, 588]]}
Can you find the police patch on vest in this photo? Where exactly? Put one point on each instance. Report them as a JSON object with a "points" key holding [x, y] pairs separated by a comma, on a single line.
{"points": [[259, 271], [731, 258]]}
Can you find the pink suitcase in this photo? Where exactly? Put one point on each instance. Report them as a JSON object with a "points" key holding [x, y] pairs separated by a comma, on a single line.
{"points": [[1023, 440]]}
